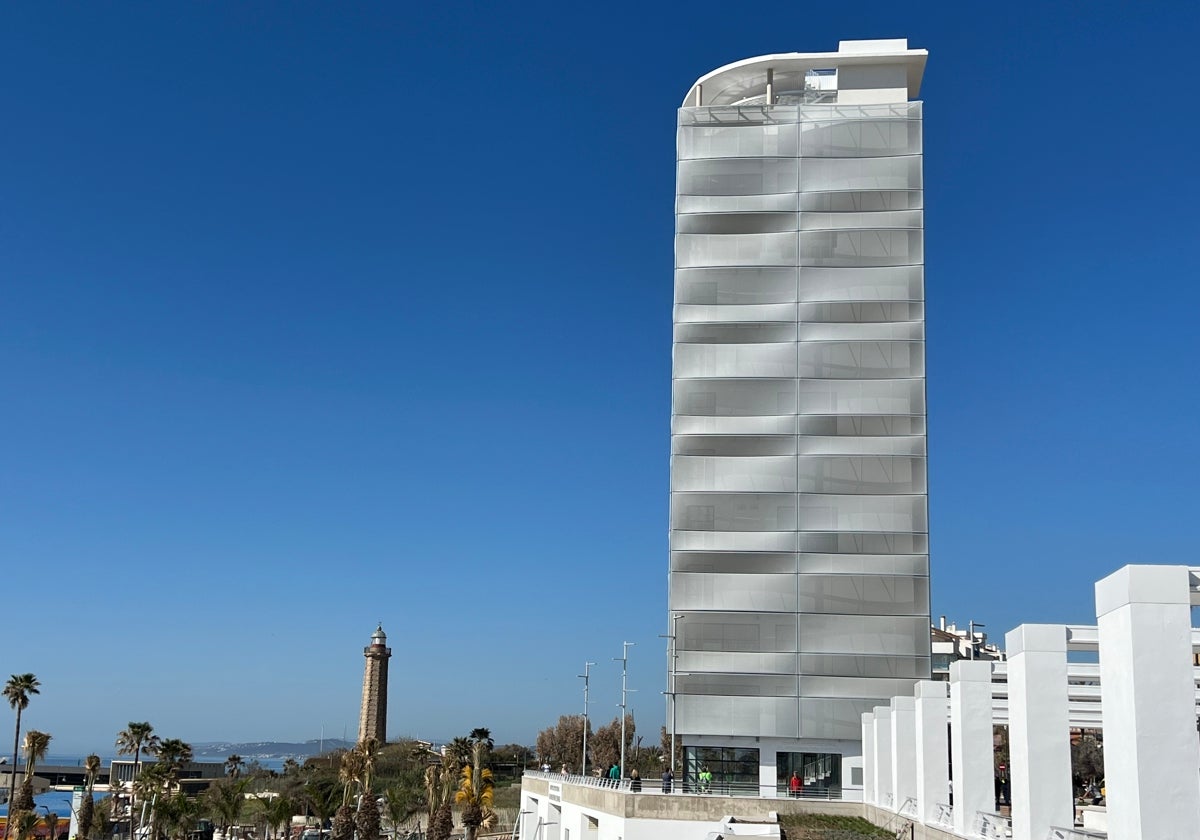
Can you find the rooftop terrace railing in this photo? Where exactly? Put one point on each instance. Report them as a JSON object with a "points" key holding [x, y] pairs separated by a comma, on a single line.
{"points": [[653, 787]]}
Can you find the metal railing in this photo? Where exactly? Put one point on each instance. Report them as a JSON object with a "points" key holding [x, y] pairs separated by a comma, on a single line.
{"points": [[944, 816], [691, 787], [991, 826], [908, 808], [1057, 833]]}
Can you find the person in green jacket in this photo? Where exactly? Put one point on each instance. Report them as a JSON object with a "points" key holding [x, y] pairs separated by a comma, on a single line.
{"points": [[614, 772]]}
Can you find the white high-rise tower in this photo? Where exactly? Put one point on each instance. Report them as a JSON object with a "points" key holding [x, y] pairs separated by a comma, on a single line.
{"points": [[799, 576]]}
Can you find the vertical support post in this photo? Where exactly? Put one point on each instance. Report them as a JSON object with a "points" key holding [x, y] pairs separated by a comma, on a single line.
{"points": [[933, 749], [971, 741], [699, 96], [1039, 735], [883, 756], [770, 87], [904, 751], [586, 675], [1148, 695], [868, 757]]}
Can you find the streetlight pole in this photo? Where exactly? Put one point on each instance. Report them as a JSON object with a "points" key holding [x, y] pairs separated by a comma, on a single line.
{"points": [[971, 629], [585, 676], [624, 690], [673, 636]]}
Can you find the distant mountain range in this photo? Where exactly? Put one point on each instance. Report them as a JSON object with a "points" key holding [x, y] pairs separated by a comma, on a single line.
{"points": [[211, 750]]}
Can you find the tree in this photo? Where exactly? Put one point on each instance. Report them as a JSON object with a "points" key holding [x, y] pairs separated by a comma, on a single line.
{"points": [[172, 754], [605, 745], [475, 794], [17, 691], [399, 803], [227, 797], [366, 821], [36, 744], [323, 797], [24, 823], [234, 765], [1087, 760], [343, 824], [278, 812], [563, 743], [459, 750], [482, 735], [134, 738], [87, 806], [441, 823]]}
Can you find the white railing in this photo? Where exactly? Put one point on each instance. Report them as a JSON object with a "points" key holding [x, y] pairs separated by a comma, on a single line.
{"points": [[944, 815], [1075, 834], [991, 826], [908, 808], [690, 787]]}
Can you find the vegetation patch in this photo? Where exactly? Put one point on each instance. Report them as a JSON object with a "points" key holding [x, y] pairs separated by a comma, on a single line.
{"points": [[830, 827]]}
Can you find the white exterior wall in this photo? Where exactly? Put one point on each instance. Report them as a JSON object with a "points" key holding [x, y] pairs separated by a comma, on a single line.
{"points": [[1148, 692], [971, 741], [933, 749], [868, 749], [883, 756], [904, 751], [1039, 739]]}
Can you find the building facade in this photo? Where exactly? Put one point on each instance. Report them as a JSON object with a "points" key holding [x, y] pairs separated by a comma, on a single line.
{"points": [[799, 572], [372, 716]]}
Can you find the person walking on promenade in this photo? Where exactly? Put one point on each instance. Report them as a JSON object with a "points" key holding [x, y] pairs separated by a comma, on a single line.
{"points": [[795, 785], [668, 777], [614, 774], [635, 781]]}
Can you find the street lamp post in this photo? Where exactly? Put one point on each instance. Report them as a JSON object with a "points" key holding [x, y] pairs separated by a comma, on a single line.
{"points": [[585, 676], [624, 690], [673, 653], [971, 630]]}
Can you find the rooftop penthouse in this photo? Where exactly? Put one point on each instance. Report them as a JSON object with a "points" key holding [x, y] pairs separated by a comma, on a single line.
{"points": [[860, 72]]}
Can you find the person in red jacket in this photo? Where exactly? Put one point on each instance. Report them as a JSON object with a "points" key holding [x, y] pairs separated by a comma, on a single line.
{"points": [[795, 785]]}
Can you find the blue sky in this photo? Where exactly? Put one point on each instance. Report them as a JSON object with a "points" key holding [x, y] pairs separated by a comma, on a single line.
{"points": [[317, 315]]}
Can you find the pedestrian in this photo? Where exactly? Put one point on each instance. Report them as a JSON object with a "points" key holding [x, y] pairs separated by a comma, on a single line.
{"points": [[667, 778], [705, 779], [545, 766], [795, 785], [635, 781], [614, 773]]}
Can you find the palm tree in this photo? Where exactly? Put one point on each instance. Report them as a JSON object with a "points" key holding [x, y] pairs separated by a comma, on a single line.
{"points": [[36, 744], [134, 738], [399, 804], [87, 807], [227, 798], [172, 754], [17, 691], [323, 797], [482, 735], [278, 812], [460, 751], [368, 752], [475, 795], [24, 822], [350, 773], [234, 765]]}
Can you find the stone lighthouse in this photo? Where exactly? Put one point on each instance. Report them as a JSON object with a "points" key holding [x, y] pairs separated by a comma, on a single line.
{"points": [[372, 717]]}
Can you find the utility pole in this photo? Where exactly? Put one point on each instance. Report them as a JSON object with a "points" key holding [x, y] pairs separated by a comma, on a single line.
{"points": [[585, 677], [624, 660]]}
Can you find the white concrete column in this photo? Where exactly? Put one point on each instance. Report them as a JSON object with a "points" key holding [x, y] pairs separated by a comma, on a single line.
{"points": [[933, 749], [768, 780], [1039, 734], [1148, 697], [868, 756], [904, 751], [971, 741], [883, 755]]}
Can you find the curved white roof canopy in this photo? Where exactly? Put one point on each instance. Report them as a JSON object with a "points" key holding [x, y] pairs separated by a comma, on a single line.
{"points": [[747, 79]]}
